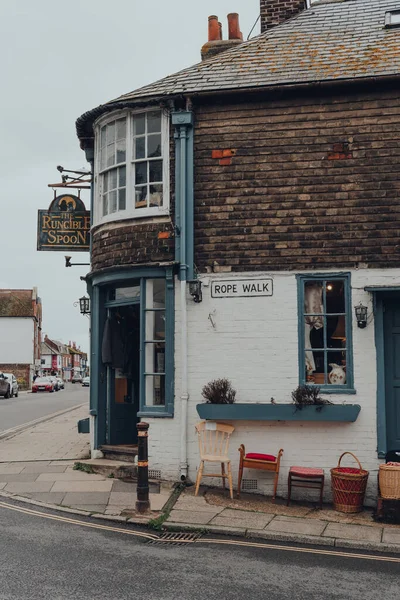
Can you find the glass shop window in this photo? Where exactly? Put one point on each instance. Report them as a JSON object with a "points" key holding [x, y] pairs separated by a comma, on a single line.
{"points": [[154, 343], [325, 329]]}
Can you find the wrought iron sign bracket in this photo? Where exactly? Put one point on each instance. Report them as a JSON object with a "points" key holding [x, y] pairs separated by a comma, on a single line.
{"points": [[80, 180]]}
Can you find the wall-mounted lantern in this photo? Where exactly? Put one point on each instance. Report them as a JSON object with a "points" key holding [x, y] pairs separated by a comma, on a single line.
{"points": [[361, 315], [195, 290], [84, 305]]}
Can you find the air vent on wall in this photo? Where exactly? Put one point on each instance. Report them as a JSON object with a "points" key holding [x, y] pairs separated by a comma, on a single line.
{"points": [[154, 474], [249, 484]]}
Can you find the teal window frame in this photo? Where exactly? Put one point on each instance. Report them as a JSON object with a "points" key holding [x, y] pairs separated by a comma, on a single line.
{"points": [[348, 387]]}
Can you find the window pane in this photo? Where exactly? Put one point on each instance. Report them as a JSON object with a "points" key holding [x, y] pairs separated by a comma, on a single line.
{"points": [[154, 122], [121, 129], [110, 155], [110, 133], [113, 201], [121, 151], [103, 137], [103, 159], [122, 177], [155, 170], [140, 148], [335, 300], [104, 180], [105, 205], [132, 292], [313, 298], [155, 390], [122, 199], [156, 195], [139, 126], [140, 196], [112, 183], [154, 145], [336, 370], [140, 173], [336, 331]]}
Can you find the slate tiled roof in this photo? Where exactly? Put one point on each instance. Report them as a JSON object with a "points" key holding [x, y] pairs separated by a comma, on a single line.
{"points": [[16, 303], [334, 40]]}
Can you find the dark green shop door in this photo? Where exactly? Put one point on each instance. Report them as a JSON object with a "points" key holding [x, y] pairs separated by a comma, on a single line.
{"points": [[391, 322], [123, 375]]}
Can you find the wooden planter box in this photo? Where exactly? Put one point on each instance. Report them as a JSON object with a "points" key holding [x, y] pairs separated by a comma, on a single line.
{"points": [[278, 412]]}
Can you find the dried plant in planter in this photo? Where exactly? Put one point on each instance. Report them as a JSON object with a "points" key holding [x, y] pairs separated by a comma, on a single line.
{"points": [[219, 391], [307, 395]]}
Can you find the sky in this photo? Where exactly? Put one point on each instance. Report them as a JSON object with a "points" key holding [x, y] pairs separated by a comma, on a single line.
{"points": [[58, 60]]}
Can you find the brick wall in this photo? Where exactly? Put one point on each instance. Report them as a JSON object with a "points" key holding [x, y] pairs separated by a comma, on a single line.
{"points": [[298, 183], [20, 372], [275, 12], [127, 243]]}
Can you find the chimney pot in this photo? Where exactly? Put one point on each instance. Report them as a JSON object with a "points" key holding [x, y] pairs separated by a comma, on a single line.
{"points": [[233, 27], [214, 29]]}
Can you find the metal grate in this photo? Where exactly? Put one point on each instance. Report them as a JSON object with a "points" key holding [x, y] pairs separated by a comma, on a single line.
{"points": [[249, 484], [176, 539], [154, 474]]}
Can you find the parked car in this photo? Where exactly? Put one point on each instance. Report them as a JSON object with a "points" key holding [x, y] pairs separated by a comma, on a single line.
{"points": [[86, 381], [42, 384], [8, 385], [60, 383], [77, 378], [55, 382]]}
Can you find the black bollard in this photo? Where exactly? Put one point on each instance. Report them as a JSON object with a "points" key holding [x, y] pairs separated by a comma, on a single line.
{"points": [[142, 491]]}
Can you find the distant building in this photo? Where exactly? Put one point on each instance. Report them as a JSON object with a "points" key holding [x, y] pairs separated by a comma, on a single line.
{"points": [[55, 358], [20, 333]]}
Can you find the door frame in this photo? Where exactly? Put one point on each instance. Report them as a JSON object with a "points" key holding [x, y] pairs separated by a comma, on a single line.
{"points": [[380, 295]]}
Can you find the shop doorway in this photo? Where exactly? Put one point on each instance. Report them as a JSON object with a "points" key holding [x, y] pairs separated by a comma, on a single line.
{"points": [[391, 324], [121, 353]]}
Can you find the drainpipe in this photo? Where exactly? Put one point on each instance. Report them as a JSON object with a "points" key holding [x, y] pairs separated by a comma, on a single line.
{"points": [[183, 122]]}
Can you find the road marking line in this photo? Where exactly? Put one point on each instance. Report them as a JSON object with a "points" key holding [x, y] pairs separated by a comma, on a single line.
{"points": [[149, 536], [338, 553], [76, 522]]}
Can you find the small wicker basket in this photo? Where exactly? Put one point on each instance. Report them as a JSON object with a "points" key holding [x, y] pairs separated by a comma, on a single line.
{"points": [[389, 481]]}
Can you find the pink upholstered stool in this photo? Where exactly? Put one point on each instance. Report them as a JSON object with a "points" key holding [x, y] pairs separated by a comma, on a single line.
{"points": [[306, 477]]}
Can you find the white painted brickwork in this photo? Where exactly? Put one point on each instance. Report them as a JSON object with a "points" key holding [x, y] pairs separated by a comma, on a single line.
{"points": [[254, 343]]}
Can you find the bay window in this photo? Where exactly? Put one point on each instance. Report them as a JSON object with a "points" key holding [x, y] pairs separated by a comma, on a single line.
{"points": [[131, 166]]}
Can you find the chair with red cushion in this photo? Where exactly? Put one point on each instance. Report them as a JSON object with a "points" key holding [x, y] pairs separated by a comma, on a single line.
{"points": [[264, 462]]}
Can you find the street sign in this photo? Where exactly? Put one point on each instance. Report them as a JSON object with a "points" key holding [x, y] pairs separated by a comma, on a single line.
{"points": [[64, 226]]}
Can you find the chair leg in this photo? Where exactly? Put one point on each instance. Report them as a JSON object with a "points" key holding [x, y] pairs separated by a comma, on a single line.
{"points": [[289, 489], [240, 479], [321, 492], [230, 480], [199, 476], [223, 475], [275, 486]]}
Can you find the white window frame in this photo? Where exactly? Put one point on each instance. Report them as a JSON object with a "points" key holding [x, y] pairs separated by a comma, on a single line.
{"points": [[130, 212]]}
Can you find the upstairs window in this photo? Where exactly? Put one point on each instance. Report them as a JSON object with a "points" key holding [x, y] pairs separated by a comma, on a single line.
{"points": [[131, 166]]}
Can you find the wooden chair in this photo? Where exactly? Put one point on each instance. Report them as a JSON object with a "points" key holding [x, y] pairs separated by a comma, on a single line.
{"points": [[264, 462], [213, 445]]}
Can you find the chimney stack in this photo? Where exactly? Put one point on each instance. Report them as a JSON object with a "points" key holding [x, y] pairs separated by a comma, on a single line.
{"points": [[276, 12], [215, 43]]}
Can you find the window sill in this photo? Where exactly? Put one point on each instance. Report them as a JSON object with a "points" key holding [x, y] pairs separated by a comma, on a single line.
{"points": [[158, 414], [279, 412], [330, 389]]}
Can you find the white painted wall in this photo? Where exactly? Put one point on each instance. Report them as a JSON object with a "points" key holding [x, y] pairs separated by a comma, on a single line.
{"points": [[255, 345], [16, 340]]}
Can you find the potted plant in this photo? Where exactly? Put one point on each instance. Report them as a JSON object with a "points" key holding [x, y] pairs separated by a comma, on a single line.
{"points": [[307, 395], [219, 391]]}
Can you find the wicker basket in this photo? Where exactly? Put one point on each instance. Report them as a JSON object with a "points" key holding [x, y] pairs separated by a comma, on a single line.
{"points": [[348, 486], [389, 481]]}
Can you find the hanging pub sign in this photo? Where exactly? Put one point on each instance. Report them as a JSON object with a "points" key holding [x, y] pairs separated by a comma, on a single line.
{"points": [[64, 226]]}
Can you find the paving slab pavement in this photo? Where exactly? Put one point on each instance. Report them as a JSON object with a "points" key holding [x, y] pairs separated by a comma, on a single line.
{"points": [[36, 466]]}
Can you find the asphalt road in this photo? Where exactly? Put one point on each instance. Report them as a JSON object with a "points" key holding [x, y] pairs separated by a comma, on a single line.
{"points": [[28, 407], [46, 559]]}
